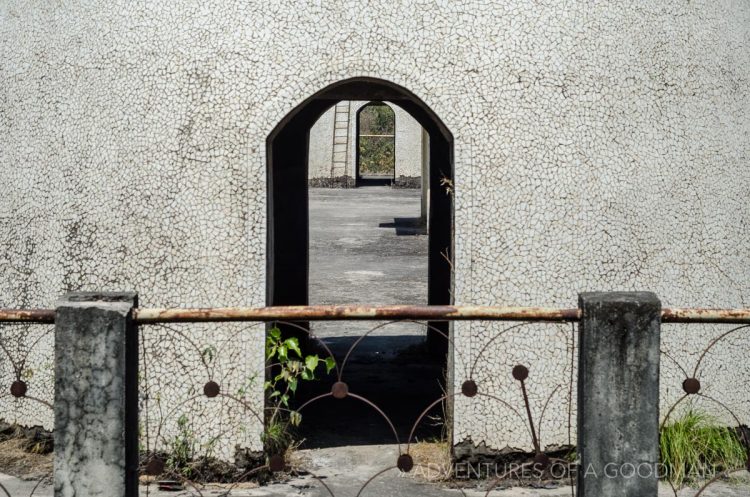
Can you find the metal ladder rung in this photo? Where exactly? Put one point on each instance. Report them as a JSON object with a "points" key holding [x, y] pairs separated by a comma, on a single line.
{"points": [[340, 139]]}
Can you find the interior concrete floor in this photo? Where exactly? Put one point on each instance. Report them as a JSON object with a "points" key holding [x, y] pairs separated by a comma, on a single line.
{"points": [[366, 247]]}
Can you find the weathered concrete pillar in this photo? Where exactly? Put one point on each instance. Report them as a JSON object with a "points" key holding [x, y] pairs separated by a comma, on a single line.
{"points": [[96, 388], [618, 394]]}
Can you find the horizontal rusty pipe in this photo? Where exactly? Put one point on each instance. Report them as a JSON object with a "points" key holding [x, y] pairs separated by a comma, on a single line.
{"points": [[27, 316], [355, 312], [698, 315], [391, 312], [427, 313]]}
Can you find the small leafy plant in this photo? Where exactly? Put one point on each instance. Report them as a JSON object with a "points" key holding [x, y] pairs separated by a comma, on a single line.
{"points": [[289, 366], [182, 448]]}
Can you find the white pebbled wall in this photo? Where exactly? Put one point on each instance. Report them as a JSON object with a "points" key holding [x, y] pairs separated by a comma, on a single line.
{"points": [[597, 146]]}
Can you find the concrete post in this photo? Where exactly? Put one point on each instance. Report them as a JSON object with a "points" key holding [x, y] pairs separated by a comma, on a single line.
{"points": [[618, 394], [96, 389]]}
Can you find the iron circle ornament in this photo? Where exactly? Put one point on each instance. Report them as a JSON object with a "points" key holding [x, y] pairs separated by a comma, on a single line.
{"points": [[691, 386], [405, 463], [520, 372], [18, 388], [339, 390], [211, 389], [469, 388]]}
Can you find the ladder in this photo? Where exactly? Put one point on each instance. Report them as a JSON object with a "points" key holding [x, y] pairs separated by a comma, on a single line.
{"points": [[340, 149]]}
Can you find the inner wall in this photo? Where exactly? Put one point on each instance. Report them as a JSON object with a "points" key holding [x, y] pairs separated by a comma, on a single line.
{"points": [[334, 164]]}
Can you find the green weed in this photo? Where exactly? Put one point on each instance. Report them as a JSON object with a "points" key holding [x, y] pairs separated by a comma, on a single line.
{"points": [[695, 446]]}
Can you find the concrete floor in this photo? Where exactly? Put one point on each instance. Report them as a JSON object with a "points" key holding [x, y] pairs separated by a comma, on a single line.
{"points": [[345, 470], [367, 247]]}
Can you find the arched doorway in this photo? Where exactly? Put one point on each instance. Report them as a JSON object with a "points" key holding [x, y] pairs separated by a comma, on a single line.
{"points": [[376, 144], [287, 234], [288, 198]]}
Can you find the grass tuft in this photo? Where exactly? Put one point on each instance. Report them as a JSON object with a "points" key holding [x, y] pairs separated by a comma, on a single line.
{"points": [[696, 447]]}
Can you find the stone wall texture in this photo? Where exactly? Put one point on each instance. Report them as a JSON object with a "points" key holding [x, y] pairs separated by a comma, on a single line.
{"points": [[597, 146]]}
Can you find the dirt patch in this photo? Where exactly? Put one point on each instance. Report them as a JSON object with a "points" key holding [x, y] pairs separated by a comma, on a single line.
{"points": [[17, 460], [26, 453], [432, 461]]}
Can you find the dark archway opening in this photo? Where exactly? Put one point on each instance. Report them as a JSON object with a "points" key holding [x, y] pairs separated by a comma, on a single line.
{"points": [[288, 238]]}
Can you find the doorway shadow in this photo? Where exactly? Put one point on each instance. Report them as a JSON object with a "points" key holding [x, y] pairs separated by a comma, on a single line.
{"points": [[365, 181], [407, 226], [395, 374]]}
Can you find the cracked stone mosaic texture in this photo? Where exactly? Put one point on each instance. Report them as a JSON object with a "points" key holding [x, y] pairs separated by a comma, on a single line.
{"points": [[597, 146]]}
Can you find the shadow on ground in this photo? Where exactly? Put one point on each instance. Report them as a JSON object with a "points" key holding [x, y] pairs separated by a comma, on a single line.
{"points": [[407, 226], [395, 374]]}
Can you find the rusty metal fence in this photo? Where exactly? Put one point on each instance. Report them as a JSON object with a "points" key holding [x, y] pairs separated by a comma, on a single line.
{"points": [[467, 380]]}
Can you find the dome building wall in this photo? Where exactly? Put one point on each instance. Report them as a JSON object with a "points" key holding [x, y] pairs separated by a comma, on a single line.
{"points": [[596, 147]]}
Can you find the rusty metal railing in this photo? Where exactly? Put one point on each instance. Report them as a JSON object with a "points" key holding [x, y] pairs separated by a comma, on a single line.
{"points": [[27, 316], [386, 312], [471, 386]]}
